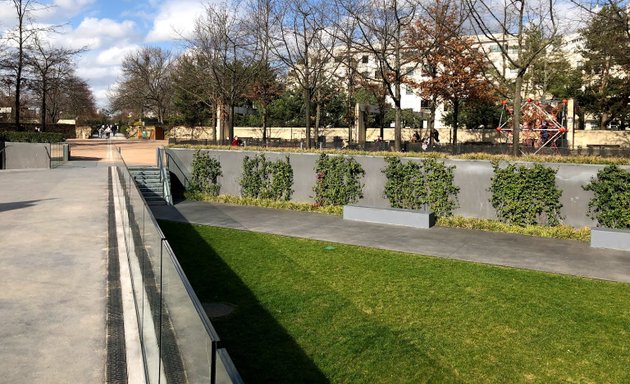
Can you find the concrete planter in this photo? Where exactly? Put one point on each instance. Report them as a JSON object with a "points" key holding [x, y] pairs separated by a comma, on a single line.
{"points": [[392, 216], [610, 238]]}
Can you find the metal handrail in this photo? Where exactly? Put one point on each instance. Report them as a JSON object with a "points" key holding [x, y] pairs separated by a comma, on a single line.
{"points": [[170, 157], [164, 177]]}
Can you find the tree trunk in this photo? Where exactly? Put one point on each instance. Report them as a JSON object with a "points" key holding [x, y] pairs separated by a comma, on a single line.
{"points": [[433, 107], [264, 125], [42, 113], [17, 98], [213, 121], [230, 122], [307, 113], [455, 115], [18, 79], [516, 117], [382, 125], [318, 112], [397, 129]]}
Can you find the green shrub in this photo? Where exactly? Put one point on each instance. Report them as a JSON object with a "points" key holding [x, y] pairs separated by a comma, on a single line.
{"points": [[412, 185], [526, 196], [610, 205], [337, 180], [32, 137], [206, 171], [264, 179]]}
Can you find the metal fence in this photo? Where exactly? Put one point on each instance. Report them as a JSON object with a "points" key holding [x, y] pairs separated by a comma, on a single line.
{"points": [[179, 343]]}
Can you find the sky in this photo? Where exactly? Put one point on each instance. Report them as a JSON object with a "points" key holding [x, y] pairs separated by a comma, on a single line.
{"points": [[110, 29]]}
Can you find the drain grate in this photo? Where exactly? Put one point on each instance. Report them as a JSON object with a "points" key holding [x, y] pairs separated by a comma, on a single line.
{"points": [[116, 354]]}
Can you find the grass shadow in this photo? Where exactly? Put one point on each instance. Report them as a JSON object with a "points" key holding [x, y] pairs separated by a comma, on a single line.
{"points": [[262, 350]]}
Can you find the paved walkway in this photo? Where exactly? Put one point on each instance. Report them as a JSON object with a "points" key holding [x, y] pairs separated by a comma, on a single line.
{"points": [[53, 258], [135, 152], [549, 255]]}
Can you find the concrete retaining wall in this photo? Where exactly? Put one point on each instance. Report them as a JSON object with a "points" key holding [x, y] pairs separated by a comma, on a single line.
{"points": [[471, 176], [26, 155]]}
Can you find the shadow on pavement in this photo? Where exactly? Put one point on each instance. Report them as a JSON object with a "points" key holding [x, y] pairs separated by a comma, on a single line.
{"points": [[19, 205]]}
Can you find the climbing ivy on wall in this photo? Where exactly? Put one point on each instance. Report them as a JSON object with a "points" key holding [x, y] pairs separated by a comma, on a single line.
{"points": [[610, 205], [265, 179], [206, 171], [338, 180], [411, 185], [526, 196]]}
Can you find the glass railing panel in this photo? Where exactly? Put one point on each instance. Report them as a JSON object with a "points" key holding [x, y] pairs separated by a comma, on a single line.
{"points": [[187, 342], [178, 341], [226, 371], [151, 259]]}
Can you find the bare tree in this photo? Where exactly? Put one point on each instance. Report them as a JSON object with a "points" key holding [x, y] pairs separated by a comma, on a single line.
{"points": [[221, 41], [304, 44], [265, 87], [15, 61], [506, 27], [380, 34], [146, 81], [49, 67], [72, 98]]}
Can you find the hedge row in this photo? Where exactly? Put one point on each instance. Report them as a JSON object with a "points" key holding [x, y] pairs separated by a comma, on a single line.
{"points": [[32, 137]]}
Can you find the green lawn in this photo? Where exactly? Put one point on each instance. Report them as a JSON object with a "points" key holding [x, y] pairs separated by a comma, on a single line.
{"points": [[359, 315]]}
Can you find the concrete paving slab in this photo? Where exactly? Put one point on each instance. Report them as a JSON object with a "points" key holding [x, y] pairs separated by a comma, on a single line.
{"points": [[541, 254], [53, 251]]}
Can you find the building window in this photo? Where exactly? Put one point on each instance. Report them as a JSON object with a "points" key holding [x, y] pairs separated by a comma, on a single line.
{"points": [[408, 90], [424, 103], [365, 59]]}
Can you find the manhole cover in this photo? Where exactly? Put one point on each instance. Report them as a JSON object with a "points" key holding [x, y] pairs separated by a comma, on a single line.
{"points": [[218, 310]]}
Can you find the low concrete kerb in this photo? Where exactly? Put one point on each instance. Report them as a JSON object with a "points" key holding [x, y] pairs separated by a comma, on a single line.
{"points": [[393, 216], [610, 238]]}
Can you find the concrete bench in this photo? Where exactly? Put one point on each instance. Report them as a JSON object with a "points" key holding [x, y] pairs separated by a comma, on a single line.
{"points": [[610, 238], [392, 216]]}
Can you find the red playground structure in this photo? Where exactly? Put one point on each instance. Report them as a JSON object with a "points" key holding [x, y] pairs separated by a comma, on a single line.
{"points": [[543, 124]]}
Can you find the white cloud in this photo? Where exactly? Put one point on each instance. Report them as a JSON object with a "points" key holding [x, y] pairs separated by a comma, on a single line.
{"points": [[96, 33], [115, 54], [72, 4], [60, 10], [175, 18]]}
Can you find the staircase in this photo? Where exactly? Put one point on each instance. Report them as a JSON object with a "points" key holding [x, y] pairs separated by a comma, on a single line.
{"points": [[149, 181]]}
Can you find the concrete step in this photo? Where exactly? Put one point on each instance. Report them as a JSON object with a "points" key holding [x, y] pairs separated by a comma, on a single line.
{"points": [[148, 180]]}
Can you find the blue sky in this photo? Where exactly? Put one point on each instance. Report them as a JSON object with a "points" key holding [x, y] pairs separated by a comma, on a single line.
{"points": [[110, 29]]}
